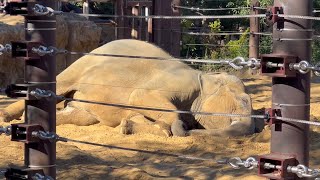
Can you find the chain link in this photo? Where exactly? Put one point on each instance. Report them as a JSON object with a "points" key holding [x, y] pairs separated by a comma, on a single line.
{"points": [[300, 170], [3, 172], [39, 93], [42, 50], [38, 176], [41, 10], [5, 130], [50, 136], [305, 67], [303, 171], [5, 48], [237, 163]]}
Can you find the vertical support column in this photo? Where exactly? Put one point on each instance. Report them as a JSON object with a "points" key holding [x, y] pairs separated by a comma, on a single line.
{"points": [[42, 73], [119, 11], [254, 28], [85, 7], [135, 22], [292, 138], [166, 33], [149, 32]]}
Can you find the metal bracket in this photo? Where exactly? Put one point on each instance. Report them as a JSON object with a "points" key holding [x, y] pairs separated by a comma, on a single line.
{"points": [[23, 90], [23, 133], [20, 8], [274, 166], [16, 90], [273, 16], [23, 50], [22, 174], [270, 116], [278, 65]]}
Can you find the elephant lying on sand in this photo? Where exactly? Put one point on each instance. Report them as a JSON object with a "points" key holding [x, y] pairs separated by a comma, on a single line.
{"points": [[148, 83]]}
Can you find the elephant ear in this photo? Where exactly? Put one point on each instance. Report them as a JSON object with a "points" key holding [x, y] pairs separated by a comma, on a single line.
{"points": [[220, 102]]}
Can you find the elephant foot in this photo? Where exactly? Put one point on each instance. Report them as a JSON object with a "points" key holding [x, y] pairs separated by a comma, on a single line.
{"points": [[4, 116], [165, 128], [125, 127], [178, 128]]}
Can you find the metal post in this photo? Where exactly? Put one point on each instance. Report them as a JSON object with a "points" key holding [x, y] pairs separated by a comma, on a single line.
{"points": [[135, 22], [254, 28], [292, 138], [168, 40], [85, 7], [119, 10], [42, 73]]}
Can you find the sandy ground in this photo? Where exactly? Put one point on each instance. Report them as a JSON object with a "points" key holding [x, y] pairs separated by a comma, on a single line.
{"points": [[163, 158]]}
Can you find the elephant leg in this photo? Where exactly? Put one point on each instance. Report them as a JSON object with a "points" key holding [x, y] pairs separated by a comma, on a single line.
{"points": [[163, 120], [76, 116], [13, 111], [140, 124]]}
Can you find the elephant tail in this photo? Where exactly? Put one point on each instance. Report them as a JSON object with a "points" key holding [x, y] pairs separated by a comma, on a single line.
{"points": [[178, 128]]}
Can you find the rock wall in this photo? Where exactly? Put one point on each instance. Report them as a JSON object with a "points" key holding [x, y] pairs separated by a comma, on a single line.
{"points": [[74, 33]]}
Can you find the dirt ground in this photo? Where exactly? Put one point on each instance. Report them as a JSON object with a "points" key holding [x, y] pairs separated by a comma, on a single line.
{"points": [[146, 156]]}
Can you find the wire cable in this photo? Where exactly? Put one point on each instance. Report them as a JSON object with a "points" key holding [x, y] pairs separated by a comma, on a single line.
{"points": [[178, 17], [45, 94], [189, 157], [126, 106], [208, 9]]}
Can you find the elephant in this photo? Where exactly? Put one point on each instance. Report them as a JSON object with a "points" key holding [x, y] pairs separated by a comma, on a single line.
{"points": [[146, 82]]}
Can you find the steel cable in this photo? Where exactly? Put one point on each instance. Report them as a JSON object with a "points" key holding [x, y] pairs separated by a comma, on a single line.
{"points": [[44, 94], [203, 17], [135, 150], [126, 106], [177, 17], [298, 121], [208, 9]]}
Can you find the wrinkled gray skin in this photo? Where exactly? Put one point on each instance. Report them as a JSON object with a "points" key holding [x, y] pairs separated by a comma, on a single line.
{"points": [[148, 83]]}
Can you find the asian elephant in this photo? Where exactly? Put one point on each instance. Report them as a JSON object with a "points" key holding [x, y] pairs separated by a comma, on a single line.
{"points": [[146, 82]]}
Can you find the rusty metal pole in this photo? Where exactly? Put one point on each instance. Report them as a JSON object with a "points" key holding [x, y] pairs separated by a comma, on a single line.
{"points": [[135, 22], [86, 7], [119, 11], [167, 40], [42, 73], [293, 39], [254, 28]]}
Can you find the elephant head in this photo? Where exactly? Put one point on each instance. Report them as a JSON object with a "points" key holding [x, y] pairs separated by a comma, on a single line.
{"points": [[222, 93]]}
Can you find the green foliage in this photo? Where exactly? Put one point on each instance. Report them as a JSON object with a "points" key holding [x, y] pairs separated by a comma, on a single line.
{"points": [[265, 46], [239, 47], [316, 43]]}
